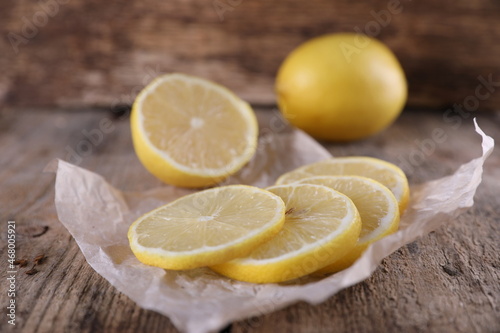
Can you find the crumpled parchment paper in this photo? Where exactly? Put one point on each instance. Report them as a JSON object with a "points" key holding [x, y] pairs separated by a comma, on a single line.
{"points": [[98, 217]]}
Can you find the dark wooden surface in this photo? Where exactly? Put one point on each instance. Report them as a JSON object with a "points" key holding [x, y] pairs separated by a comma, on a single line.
{"points": [[447, 281], [100, 53]]}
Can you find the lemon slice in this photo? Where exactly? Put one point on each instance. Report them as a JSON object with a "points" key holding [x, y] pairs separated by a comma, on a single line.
{"points": [[377, 207], [192, 132], [384, 172], [321, 226], [207, 227]]}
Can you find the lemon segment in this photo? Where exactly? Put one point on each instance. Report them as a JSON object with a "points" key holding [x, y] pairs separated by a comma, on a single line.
{"points": [[384, 172], [377, 207], [192, 132], [321, 226], [207, 227]]}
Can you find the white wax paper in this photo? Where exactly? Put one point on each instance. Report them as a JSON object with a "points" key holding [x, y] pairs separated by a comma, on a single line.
{"points": [[98, 217]]}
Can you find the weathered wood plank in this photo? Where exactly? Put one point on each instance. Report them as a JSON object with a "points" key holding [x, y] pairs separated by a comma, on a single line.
{"points": [[101, 53], [444, 282]]}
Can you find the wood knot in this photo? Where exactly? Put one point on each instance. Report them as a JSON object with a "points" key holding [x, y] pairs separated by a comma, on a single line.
{"points": [[450, 270]]}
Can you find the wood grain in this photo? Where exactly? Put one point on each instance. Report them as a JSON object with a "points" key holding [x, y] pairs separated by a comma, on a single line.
{"points": [[94, 53], [444, 282]]}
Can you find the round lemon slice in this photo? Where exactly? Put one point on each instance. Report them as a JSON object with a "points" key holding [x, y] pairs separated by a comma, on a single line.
{"points": [[321, 226], [207, 227], [384, 172], [192, 132], [377, 207]]}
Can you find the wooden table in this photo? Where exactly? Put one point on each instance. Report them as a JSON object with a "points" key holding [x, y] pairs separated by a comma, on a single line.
{"points": [[447, 281]]}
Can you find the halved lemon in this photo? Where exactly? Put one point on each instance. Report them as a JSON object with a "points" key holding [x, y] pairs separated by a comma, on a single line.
{"points": [[207, 227], [384, 172], [321, 226], [377, 207], [191, 132]]}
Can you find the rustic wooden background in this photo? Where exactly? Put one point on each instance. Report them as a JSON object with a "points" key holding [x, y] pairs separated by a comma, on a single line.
{"points": [[86, 56], [100, 53]]}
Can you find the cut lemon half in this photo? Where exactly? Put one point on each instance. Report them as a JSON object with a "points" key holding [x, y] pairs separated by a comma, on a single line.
{"points": [[191, 132], [321, 226], [377, 207], [384, 172], [207, 227]]}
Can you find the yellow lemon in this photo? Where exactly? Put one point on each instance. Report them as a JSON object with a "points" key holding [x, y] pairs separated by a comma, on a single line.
{"points": [[341, 87], [384, 172], [377, 207], [321, 226], [207, 227], [192, 132]]}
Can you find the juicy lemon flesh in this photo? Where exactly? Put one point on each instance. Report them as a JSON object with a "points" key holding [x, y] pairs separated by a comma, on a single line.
{"points": [[191, 132], [377, 207], [185, 117], [384, 172], [321, 225], [341, 87], [375, 203], [207, 227]]}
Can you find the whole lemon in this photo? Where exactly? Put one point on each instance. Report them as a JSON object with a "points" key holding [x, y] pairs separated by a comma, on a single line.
{"points": [[341, 87]]}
